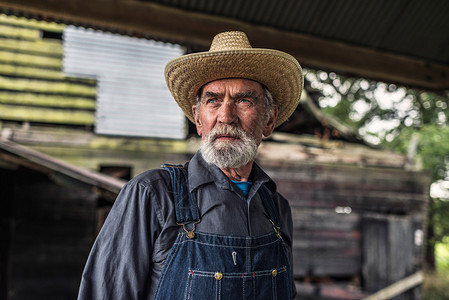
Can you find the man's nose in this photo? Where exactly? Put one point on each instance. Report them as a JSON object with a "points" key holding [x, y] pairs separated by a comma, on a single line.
{"points": [[227, 114]]}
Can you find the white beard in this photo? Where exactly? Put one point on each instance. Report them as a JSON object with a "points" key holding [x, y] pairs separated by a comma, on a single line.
{"points": [[228, 154]]}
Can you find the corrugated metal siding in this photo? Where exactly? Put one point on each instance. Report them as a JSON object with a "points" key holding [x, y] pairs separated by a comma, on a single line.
{"points": [[132, 98], [415, 28]]}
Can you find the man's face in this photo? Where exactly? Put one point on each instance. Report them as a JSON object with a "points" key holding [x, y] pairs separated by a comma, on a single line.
{"points": [[232, 120]]}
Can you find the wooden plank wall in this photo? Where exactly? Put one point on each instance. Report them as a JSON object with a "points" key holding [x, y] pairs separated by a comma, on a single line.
{"points": [[352, 222], [33, 87]]}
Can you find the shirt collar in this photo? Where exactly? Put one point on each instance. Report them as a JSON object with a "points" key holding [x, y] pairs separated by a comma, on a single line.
{"points": [[201, 172]]}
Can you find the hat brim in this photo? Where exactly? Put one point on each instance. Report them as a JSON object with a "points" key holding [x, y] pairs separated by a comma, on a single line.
{"points": [[278, 71]]}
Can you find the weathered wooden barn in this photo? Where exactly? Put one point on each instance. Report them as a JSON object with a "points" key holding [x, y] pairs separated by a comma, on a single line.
{"points": [[359, 218], [359, 215]]}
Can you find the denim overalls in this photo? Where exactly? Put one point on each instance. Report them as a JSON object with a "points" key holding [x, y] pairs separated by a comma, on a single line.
{"points": [[208, 266]]}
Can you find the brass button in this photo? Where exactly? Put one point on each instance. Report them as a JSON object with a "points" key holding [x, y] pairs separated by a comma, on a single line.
{"points": [[218, 276], [274, 272], [190, 234]]}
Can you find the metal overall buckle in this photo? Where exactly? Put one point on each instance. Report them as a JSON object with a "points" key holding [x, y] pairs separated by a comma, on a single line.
{"points": [[190, 234], [277, 230]]}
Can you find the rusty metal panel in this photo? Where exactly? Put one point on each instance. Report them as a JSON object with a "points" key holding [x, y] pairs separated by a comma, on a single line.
{"points": [[132, 97]]}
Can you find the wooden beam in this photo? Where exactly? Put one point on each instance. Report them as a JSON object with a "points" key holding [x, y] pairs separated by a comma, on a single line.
{"points": [[88, 177], [149, 19], [398, 288]]}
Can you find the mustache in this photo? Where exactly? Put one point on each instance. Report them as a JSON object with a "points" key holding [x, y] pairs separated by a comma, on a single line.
{"points": [[229, 130], [228, 154]]}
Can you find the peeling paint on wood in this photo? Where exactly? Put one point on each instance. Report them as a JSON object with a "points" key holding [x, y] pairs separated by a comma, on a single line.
{"points": [[34, 99], [47, 115]]}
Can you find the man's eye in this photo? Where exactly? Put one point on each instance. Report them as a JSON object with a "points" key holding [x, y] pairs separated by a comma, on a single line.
{"points": [[210, 101]]}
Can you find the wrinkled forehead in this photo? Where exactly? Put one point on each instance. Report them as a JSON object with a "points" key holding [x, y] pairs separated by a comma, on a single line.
{"points": [[232, 85]]}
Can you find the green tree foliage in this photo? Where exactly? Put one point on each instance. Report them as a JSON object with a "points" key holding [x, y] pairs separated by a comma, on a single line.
{"points": [[390, 115]]}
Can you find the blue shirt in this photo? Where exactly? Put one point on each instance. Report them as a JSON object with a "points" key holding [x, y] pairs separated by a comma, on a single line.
{"points": [[244, 186]]}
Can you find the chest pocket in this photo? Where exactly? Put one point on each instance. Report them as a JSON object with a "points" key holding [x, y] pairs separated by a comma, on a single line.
{"points": [[267, 284]]}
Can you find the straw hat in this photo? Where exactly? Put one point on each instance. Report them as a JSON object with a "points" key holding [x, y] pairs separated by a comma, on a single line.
{"points": [[231, 56]]}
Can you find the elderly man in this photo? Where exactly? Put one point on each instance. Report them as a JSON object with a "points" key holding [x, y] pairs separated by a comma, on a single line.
{"points": [[215, 228]]}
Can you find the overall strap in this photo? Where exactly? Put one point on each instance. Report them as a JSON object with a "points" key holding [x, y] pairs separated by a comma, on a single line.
{"points": [[186, 206], [273, 212]]}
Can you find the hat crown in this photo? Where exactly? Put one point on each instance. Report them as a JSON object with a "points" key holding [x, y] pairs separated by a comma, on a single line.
{"points": [[230, 40]]}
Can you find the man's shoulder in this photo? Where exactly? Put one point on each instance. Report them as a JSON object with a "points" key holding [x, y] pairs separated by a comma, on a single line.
{"points": [[282, 202], [279, 196], [150, 178]]}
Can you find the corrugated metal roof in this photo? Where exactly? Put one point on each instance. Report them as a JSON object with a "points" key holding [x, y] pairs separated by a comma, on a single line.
{"points": [[132, 97], [401, 41], [413, 28]]}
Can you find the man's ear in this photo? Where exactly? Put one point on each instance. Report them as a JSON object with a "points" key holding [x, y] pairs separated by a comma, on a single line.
{"points": [[271, 122], [199, 127]]}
